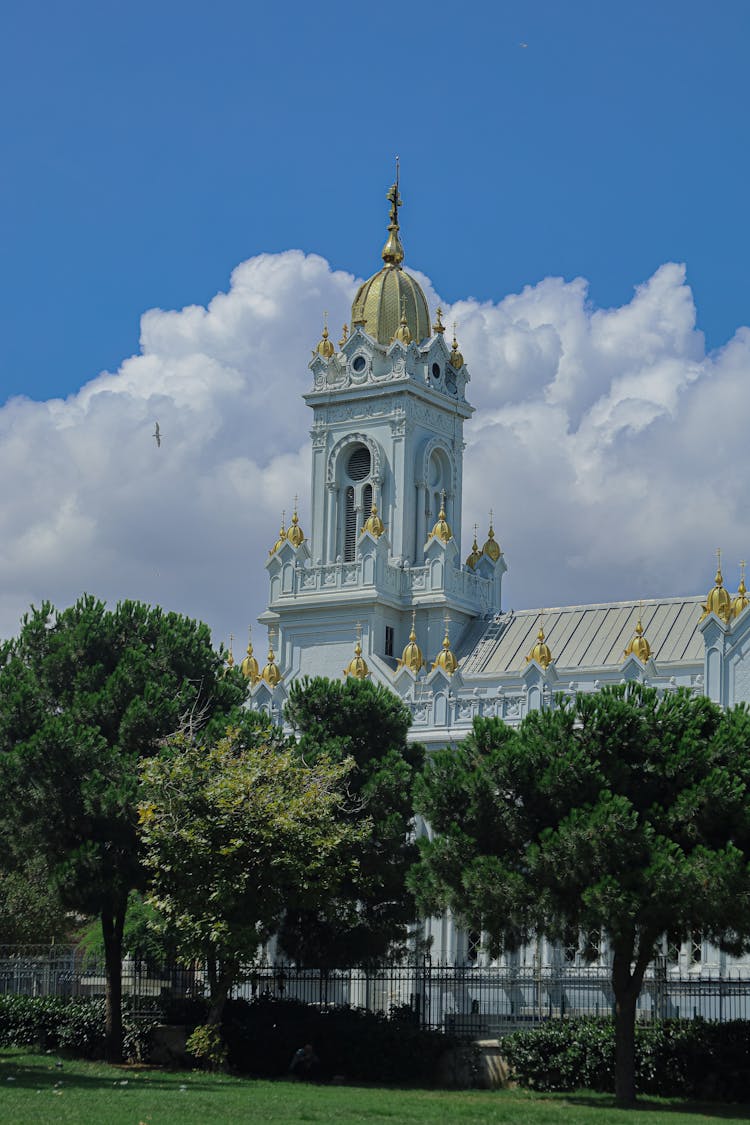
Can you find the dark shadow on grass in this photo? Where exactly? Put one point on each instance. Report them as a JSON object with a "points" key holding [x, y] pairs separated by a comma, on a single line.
{"points": [[731, 1110], [44, 1073]]}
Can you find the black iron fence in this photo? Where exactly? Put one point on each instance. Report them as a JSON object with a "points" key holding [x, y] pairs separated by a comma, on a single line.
{"points": [[473, 1001]]}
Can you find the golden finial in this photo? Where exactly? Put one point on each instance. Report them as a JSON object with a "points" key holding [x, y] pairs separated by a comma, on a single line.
{"points": [[541, 651], [476, 554], [393, 251], [445, 658], [271, 673], [441, 530], [230, 657], [357, 666], [344, 335], [249, 666], [718, 600], [282, 535], [325, 347], [402, 332], [639, 646], [295, 534], [491, 548], [412, 657], [740, 601], [438, 327], [455, 359], [373, 523]]}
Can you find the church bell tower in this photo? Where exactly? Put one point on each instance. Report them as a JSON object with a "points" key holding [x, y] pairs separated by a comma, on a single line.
{"points": [[383, 555]]}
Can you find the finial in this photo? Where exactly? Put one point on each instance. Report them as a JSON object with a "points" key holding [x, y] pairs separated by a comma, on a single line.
{"points": [[344, 335], [393, 251], [412, 657], [230, 657], [718, 600], [438, 327], [639, 646], [402, 332], [357, 666], [249, 666], [455, 359], [541, 651], [295, 534], [740, 601], [325, 348]]}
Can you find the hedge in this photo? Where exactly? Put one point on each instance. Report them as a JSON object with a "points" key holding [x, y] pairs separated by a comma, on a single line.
{"points": [[694, 1059], [75, 1026]]}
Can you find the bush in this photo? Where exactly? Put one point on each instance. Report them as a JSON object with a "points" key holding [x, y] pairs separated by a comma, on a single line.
{"points": [[74, 1026], [207, 1047], [693, 1059]]}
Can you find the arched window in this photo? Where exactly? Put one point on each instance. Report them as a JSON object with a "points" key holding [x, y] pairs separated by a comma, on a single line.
{"points": [[350, 525], [354, 473]]}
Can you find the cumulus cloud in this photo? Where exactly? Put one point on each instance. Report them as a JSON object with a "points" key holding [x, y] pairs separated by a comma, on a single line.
{"points": [[608, 442]]}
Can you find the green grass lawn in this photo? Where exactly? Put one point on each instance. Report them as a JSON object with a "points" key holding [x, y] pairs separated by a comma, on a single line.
{"points": [[35, 1091]]}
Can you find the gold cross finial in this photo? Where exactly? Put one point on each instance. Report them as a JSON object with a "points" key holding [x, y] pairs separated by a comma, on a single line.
{"points": [[743, 564]]}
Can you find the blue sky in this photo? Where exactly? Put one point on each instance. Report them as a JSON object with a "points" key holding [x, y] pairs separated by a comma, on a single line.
{"points": [[187, 187], [150, 147]]}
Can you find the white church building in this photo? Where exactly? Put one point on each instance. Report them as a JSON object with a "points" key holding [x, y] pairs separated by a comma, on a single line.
{"points": [[378, 584]]}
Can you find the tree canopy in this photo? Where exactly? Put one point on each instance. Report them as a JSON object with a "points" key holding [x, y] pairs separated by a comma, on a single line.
{"points": [[235, 832], [625, 811], [85, 694], [371, 913]]}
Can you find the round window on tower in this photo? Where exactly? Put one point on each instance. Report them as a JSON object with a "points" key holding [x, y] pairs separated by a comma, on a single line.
{"points": [[358, 465], [436, 370], [359, 363]]}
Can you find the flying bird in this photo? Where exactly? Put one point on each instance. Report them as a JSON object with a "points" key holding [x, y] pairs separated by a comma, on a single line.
{"points": [[157, 435]]}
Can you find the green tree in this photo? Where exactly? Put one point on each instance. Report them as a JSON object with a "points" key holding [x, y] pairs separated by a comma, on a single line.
{"points": [[85, 694], [31, 910], [624, 810], [372, 911], [234, 831]]}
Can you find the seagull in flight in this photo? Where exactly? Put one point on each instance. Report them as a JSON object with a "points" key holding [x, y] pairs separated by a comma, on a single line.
{"points": [[157, 435]]}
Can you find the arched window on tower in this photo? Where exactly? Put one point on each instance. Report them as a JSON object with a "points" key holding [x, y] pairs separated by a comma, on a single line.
{"points": [[354, 473], [350, 526]]}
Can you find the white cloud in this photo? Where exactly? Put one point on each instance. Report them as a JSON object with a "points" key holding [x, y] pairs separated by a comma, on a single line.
{"points": [[609, 444]]}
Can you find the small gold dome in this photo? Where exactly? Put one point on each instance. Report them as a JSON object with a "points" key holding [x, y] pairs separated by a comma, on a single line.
{"points": [[325, 347], [442, 529], [718, 600], [402, 332], [639, 646], [282, 537], [476, 554], [271, 673], [249, 666], [540, 652], [412, 657], [391, 292], [357, 666], [445, 658], [374, 524], [491, 548], [230, 656], [295, 534], [455, 359], [740, 601]]}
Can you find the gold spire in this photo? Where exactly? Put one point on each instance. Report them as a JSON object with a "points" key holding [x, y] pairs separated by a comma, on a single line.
{"points": [[344, 335], [476, 554], [491, 548], [455, 359], [373, 523], [325, 347], [438, 327], [357, 666], [230, 657], [295, 534], [540, 652], [271, 673], [639, 646], [282, 536], [740, 601], [412, 657], [249, 666], [441, 530], [402, 332], [445, 658], [393, 251], [718, 600]]}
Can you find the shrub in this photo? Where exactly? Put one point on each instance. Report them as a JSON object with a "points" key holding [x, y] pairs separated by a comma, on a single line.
{"points": [[693, 1059], [206, 1046], [71, 1025]]}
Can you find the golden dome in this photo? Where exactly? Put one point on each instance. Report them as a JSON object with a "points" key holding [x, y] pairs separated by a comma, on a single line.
{"points": [[476, 554], [455, 359], [540, 652], [445, 658], [740, 601], [718, 600], [639, 646], [282, 537], [249, 666], [374, 524], [391, 293], [491, 548], [357, 666], [271, 673], [412, 657], [442, 529], [325, 347], [402, 332], [295, 534]]}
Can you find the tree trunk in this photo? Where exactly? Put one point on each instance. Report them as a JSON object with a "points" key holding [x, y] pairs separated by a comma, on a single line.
{"points": [[113, 921], [222, 982], [626, 986]]}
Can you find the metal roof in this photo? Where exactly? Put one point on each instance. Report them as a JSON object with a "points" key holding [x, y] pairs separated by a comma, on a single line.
{"points": [[590, 636]]}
